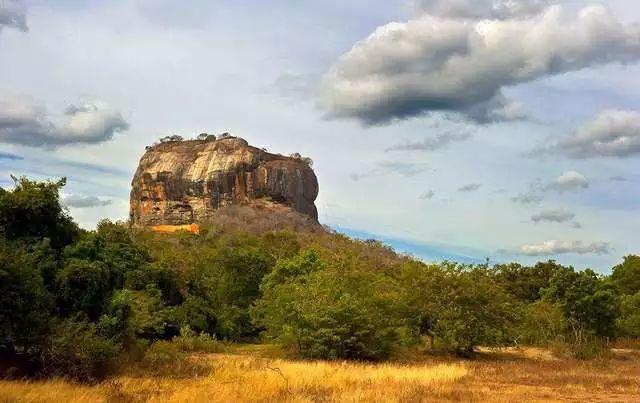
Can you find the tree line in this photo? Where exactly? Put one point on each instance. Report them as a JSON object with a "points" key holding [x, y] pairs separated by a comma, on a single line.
{"points": [[76, 303]]}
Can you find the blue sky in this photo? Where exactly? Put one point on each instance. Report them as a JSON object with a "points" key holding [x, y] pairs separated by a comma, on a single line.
{"points": [[428, 124]]}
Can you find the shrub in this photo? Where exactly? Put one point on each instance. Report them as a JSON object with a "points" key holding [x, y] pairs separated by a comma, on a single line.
{"points": [[167, 358], [586, 349], [332, 310], [162, 353], [77, 351], [188, 341]]}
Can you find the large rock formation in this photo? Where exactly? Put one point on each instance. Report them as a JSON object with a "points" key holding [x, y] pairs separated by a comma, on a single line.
{"points": [[184, 182]]}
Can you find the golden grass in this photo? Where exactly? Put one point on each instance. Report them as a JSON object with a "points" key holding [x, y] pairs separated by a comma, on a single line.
{"points": [[512, 375]]}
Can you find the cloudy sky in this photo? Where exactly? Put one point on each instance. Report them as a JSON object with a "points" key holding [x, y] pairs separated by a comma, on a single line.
{"points": [[463, 129]]}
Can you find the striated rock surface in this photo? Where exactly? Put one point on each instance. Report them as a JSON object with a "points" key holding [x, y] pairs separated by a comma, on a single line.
{"points": [[184, 182]]}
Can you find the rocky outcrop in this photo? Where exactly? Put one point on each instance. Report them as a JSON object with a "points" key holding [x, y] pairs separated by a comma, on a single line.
{"points": [[184, 182]]}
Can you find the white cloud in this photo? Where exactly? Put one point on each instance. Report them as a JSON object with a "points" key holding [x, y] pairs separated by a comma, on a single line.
{"points": [[555, 216], [82, 201], [555, 247], [566, 182], [570, 180], [472, 187], [480, 9], [436, 142], [428, 195], [533, 195], [24, 123], [611, 133], [13, 14], [436, 64], [406, 169]]}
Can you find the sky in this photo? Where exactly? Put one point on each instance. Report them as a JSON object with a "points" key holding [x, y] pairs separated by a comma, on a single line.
{"points": [[458, 129]]}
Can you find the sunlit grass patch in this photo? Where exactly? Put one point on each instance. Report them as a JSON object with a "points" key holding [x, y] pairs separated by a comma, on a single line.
{"points": [[514, 375]]}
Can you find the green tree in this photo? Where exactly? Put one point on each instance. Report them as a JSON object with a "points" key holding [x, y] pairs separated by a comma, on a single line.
{"points": [[589, 305], [83, 287], [32, 211], [25, 303], [461, 307], [629, 321], [526, 283], [626, 276], [132, 315], [333, 309]]}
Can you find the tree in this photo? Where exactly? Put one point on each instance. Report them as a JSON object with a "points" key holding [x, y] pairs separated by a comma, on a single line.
{"points": [[462, 307], [134, 314], [32, 212], [83, 287], [332, 309], [629, 321], [626, 276], [25, 303], [526, 283], [589, 305]]}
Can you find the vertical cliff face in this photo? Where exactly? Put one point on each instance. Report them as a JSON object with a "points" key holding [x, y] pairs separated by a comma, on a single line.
{"points": [[184, 182]]}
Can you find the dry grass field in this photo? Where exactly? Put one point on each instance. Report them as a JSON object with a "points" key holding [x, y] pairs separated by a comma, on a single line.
{"points": [[250, 375]]}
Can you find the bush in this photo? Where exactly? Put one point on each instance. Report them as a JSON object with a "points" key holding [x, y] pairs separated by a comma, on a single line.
{"points": [[188, 341], [586, 349], [167, 358], [75, 350], [163, 353], [332, 310]]}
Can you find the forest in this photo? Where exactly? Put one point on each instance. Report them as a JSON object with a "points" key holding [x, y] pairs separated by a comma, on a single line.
{"points": [[80, 304]]}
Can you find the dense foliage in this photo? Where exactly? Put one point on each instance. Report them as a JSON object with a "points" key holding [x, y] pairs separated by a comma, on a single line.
{"points": [[73, 302]]}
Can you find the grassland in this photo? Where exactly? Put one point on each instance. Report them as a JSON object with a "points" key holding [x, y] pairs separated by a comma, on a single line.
{"points": [[254, 374]]}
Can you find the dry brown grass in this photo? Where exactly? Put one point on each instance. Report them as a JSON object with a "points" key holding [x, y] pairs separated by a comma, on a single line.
{"points": [[247, 375]]}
